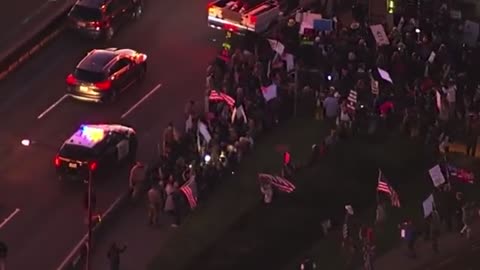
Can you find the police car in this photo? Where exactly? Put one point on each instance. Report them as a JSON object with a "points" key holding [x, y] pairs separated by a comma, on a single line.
{"points": [[95, 148]]}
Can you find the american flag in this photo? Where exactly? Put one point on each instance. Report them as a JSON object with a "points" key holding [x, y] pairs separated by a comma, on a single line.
{"points": [[218, 96], [461, 174], [384, 186], [190, 191], [281, 183], [352, 100]]}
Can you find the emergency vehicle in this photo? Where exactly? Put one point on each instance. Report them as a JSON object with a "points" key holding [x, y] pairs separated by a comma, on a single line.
{"points": [[95, 149], [243, 16]]}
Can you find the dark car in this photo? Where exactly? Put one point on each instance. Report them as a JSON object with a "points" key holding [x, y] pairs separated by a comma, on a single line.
{"points": [[103, 74], [95, 149], [101, 18]]}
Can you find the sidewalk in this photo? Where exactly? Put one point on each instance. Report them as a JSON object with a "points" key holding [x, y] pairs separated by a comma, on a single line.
{"points": [[131, 229], [451, 245]]}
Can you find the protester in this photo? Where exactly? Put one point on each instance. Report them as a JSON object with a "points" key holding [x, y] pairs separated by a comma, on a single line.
{"points": [[113, 255], [435, 225], [171, 206], [137, 179], [154, 203]]}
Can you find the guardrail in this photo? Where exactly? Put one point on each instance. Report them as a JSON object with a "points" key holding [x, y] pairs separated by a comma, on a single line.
{"points": [[12, 58], [75, 259]]}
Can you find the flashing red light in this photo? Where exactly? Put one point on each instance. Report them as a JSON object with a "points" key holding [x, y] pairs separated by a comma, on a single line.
{"points": [[253, 19], [231, 28], [93, 166], [71, 80], [105, 85], [97, 24], [57, 161]]}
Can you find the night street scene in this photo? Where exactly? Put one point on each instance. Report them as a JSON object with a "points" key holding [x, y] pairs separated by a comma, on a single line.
{"points": [[240, 134]]}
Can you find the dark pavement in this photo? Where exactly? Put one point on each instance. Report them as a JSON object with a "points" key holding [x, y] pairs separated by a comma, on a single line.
{"points": [[175, 37], [22, 17]]}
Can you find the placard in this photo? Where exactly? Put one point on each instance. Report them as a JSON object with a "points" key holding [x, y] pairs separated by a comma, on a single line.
{"points": [[323, 25], [277, 46], [379, 34], [428, 206], [436, 175], [269, 92]]}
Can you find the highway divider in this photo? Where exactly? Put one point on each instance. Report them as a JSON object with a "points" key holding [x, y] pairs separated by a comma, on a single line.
{"points": [[75, 260], [26, 47]]}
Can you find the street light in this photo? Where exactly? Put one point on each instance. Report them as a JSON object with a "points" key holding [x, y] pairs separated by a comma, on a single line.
{"points": [[26, 142]]}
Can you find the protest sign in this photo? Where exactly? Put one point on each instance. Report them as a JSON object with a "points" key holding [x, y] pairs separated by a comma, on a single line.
{"points": [[470, 32], [436, 175], [379, 34], [428, 206], [277, 46], [323, 25], [269, 92], [385, 75]]}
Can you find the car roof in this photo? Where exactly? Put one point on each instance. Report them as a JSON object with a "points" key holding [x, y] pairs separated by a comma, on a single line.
{"points": [[90, 135], [97, 60], [91, 3]]}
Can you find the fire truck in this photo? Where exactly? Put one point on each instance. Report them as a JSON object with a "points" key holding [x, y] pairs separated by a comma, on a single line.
{"points": [[243, 16]]}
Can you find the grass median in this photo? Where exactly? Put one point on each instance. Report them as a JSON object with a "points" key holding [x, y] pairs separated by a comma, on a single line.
{"points": [[235, 230]]}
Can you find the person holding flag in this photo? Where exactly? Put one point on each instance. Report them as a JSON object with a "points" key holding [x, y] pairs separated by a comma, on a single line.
{"points": [[384, 187]]}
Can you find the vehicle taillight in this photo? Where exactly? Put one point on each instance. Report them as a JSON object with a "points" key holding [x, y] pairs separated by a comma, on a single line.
{"points": [[71, 80], [97, 24], [231, 28], [57, 161], [93, 166], [105, 85], [253, 19]]}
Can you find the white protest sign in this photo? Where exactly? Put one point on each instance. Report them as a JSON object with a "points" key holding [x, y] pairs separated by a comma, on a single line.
{"points": [[269, 92], [428, 206], [277, 46], [385, 75], [436, 175], [202, 128], [431, 58], [470, 32], [288, 58], [307, 21], [379, 34]]}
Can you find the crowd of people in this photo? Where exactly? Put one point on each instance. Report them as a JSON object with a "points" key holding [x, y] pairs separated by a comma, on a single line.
{"points": [[431, 94]]}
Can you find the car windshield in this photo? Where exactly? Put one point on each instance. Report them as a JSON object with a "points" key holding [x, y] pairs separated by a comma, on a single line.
{"points": [[77, 152], [86, 13], [89, 76]]}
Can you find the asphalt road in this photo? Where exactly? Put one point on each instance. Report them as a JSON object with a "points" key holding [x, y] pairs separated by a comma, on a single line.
{"points": [[19, 18], [466, 259], [49, 219]]}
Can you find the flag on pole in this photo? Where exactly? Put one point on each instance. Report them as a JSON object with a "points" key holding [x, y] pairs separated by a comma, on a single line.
{"points": [[280, 183], [385, 187], [460, 174], [352, 100], [190, 191], [218, 96]]}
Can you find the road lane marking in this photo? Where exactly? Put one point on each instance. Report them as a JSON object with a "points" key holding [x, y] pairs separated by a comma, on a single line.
{"points": [[5, 221], [52, 107], [141, 100]]}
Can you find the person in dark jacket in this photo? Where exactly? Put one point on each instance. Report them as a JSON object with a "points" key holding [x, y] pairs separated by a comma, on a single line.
{"points": [[113, 255]]}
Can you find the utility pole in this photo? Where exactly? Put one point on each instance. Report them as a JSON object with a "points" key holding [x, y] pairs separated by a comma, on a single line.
{"points": [[90, 210]]}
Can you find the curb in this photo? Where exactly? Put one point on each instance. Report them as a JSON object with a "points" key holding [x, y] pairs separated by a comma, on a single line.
{"points": [[75, 259], [34, 41]]}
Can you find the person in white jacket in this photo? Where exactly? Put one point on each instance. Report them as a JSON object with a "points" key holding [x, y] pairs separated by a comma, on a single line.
{"points": [[136, 179]]}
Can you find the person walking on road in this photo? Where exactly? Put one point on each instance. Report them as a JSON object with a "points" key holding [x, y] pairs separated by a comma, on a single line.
{"points": [[113, 255], [3, 255], [467, 218], [136, 179], [170, 204], [154, 203]]}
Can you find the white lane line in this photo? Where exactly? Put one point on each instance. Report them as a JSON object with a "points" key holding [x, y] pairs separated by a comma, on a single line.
{"points": [[5, 221], [52, 107], [141, 100]]}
